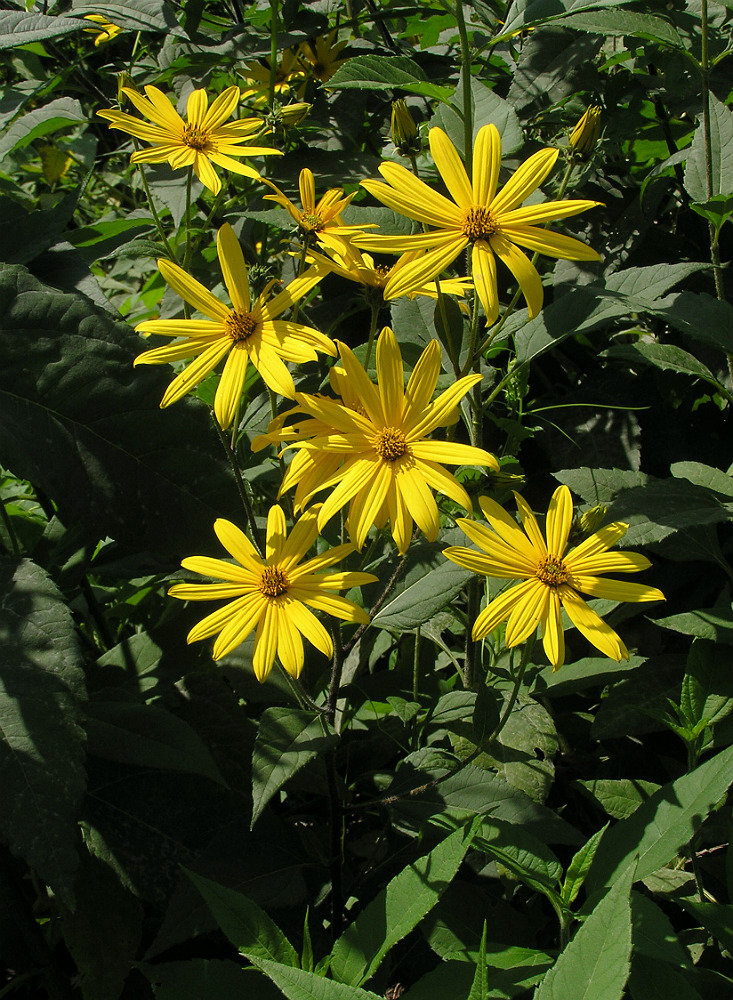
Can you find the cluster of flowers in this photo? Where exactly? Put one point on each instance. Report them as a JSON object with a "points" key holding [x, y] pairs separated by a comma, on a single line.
{"points": [[370, 444]]}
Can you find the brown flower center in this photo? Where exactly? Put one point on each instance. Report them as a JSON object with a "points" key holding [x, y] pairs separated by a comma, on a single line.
{"points": [[382, 273], [551, 571], [196, 138], [273, 582], [390, 444], [239, 326], [479, 223]]}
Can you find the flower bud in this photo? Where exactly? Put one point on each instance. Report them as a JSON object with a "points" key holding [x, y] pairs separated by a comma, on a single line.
{"points": [[124, 81], [404, 130], [592, 519], [293, 114], [584, 136]]}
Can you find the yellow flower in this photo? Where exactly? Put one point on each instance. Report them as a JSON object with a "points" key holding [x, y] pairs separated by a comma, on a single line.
{"points": [[245, 331], [584, 136], [348, 262], [106, 30], [373, 449], [492, 223], [322, 58], [551, 576], [322, 217], [271, 594], [204, 139], [290, 77]]}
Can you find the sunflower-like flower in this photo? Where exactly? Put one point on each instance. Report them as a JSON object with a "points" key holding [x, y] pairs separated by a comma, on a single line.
{"points": [[103, 30], [321, 218], [245, 331], [290, 77], [374, 451], [349, 262], [491, 223], [322, 57], [205, 138], [271, 594], [551, 576]]}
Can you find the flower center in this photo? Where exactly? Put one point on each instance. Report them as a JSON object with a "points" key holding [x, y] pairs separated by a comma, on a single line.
{"points": [[196, 138], [311, 223], [239, 326], [551, 571], [273, 582], [382, 273], [479, 223], [390, 444]]}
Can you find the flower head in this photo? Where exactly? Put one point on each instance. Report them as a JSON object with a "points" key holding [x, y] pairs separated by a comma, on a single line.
{"points": [[244, 331], [204, 138], [552, 576], [320, 218], [491, 223], [584, 136], [322, 57], [372, 447], [104, 30], [404, 130], [290, 77], [271, 594]]}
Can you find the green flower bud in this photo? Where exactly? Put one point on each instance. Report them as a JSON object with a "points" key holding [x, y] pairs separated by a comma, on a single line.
{"points": [[584, 136], [592, 519], [404, 130]]}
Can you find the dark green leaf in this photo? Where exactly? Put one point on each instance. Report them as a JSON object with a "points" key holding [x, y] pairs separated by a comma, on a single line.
{"points": [[136, 15], [717, 918], [619, 797], [715, 624], [287, 740], [422, 600], [299, 985], [373, 72], [26, 235], [580, 866], [616, 23], [18, 28], [721, 142], [61, 113], [654, 980], [41, 739], [196, 978]]}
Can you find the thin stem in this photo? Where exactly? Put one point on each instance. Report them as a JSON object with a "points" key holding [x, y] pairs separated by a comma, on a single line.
{"points": [[474, 601], [336, 667], [273, 51], [378, 604], [466, 82], [375, 306], [154, 212], [416, 666], [241, 488]]}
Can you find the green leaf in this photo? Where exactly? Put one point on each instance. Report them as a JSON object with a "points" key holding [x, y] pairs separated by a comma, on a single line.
{"points": [[717, 209], [654, 980], [26, 235], [618, 23], [18, 28], [487, 106], [479, 990], [137, 15], [704, 475], [666, 357], [717, 918], [620, 797], [526, 12], [721, 141], [707, 691], [653, 935], [525, 855], [148, 736], [373, 72], [700, 317], [246, 925], [663, 506], [287, 740], [80, 423], [595, 965], [662, 825], [715, 624], [41, 739], [61, 113], [422, 600], [591, 671], [579, 867], [398, 908], [299, 985], [600, 485]]}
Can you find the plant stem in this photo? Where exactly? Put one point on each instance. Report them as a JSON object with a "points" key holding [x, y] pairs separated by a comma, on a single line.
{"points": [[416, 666], [273, 51], [466, 82], [241, 488], [10, 529], [378, 604], [375, 306], [154, 212]]}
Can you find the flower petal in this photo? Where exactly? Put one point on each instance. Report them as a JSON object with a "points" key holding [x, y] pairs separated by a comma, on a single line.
{"points": [[498, 609], [524, 181], [418, 272], [451, 168], [559, 521], [486, 163], [589, 624], [238, 545], [550, 244], [193, 373], [484, 278], [192, 291], [390, 378], [553, 636], [233, 268], [229, 391], [522, 269], [265, 642], [418, 498], [527, 614], [616, 590]]}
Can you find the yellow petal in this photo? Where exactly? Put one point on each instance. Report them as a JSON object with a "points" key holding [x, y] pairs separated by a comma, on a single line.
{"points": [[545, 211], [550, 244], [589, 624], [222, 107], [229, 391], [500, 608], [417, 496], [439, 479], [265, 643], [276, 535], [596, 544], [289, 642], [206, 173], [486, 163], [423, 269], [196, 108], [192, 291], [509, 531], [522, 269], [192, 374], [367, 503], [616, 590], [390, 378], [233, 268], [232, 614], [206, 591], [527, 614], [307, 186], [422, 381], [553, 636], [611, 562], [301, 538], [451, 168], [484, 278], [529, 523], [524, 181], [559, 521], [441, 410], [400, 521], [307, 623], [238, 545]]}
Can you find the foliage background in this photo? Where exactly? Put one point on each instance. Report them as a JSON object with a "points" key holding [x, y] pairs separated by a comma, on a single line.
{"points": [[173, 829]]}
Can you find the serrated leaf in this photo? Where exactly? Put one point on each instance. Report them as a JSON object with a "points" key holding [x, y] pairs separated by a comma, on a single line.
{"points": [[374, 72], [580, 866], [522, 853], [18, 28], [82, 425], [653, 934], [396, 910], [663, 506], [287, 739], [662, 825], [147, 736], [61, 113], [487, 107], [620, 797], [666, 357], [41, 739], [715, 624], [617, 23], [654, 980], [591, 671], [526, 12], [296, 984], [596, 963], [721, 142], [479, 989], [419, 602], [136, 15], [246, 924]]}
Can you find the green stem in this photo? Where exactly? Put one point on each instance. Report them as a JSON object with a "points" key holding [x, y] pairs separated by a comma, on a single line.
{"points": [[10, 529], [378, 604], [273, 51], [187, 217], [154, 212], [466, 82], [416, 666], [375, 306], [241, 488], [474, 603]]}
